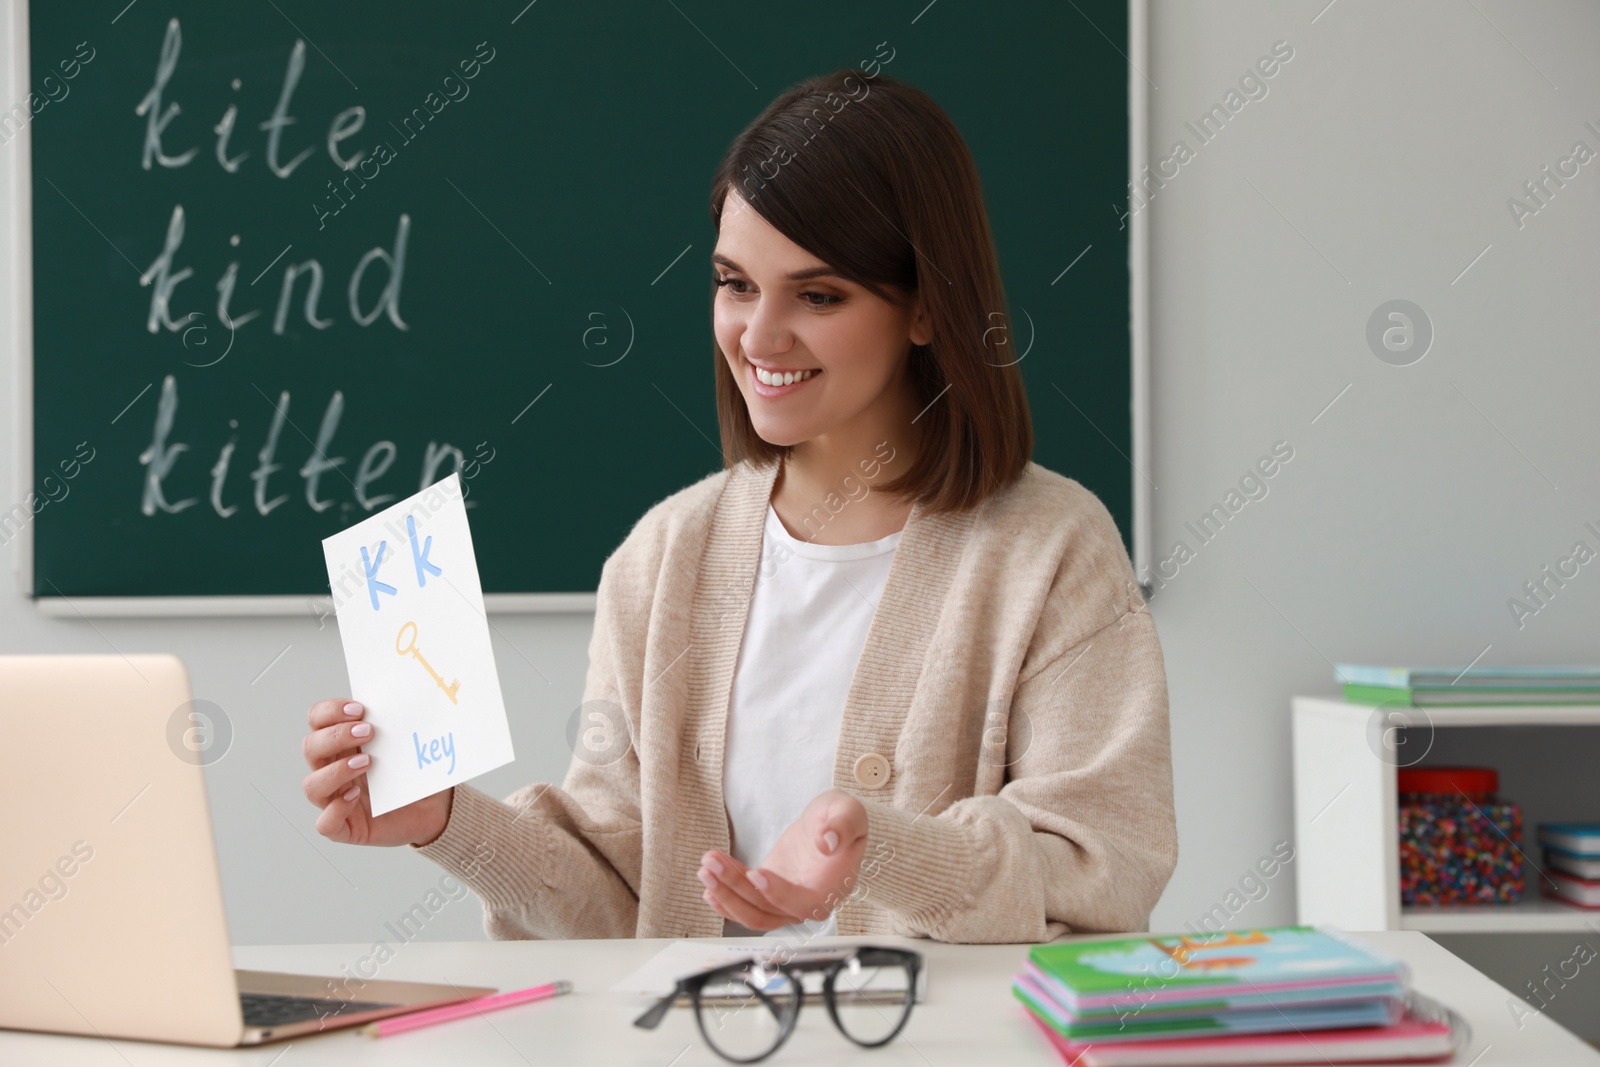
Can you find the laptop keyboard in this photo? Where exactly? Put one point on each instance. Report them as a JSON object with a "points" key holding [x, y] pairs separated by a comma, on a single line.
{"points": [[276, 1009]]}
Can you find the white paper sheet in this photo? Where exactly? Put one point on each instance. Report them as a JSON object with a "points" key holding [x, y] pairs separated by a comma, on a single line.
{"points": [[416, 643]]}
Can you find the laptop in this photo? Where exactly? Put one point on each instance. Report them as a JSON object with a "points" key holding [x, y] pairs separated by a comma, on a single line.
{"points": [[111, 912]]}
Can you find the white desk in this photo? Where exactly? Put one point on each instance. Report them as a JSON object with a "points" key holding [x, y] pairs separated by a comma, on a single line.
{"points": [[969, 1018]]}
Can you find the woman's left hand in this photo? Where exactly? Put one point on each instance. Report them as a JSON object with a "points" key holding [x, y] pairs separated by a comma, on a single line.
{"points": [[811, 869]]}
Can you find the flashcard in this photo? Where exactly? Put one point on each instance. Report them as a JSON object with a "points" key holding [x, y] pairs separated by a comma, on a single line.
{"points": [[416, 643]]}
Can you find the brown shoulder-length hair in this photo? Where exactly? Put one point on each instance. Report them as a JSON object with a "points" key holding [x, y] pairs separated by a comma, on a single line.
{"points": [[869, 175]]}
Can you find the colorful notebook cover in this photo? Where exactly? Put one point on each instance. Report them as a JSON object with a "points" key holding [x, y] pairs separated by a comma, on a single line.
{"points": [[1425, 1034], [1209, 1001], [1139, 1026], [1143, 970]]}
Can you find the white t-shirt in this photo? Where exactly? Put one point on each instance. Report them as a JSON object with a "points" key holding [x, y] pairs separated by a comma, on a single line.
{"points": [[808, 621]]}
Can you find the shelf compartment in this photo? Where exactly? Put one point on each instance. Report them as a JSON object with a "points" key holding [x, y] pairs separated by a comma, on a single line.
{"points": [[1534, 915]]}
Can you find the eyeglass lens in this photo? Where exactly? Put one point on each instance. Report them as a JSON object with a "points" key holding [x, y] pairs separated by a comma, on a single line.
{"points": [[871, 998], [744, 1016]]}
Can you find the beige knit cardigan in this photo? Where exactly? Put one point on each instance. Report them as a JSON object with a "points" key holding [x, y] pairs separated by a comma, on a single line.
{"points": [[1011, 681]]}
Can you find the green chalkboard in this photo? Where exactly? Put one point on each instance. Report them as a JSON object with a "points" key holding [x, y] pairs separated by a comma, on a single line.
{"points": [[553, 288]]}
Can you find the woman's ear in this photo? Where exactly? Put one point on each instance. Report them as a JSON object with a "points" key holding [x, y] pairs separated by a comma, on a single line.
{"points": [[921, 327]]}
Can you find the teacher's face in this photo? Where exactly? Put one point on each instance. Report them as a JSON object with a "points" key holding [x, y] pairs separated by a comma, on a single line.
{"points": [[843, 347]]}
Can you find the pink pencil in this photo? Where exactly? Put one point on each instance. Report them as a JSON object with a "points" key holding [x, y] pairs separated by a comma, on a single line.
{"points": [[401, 1023]]}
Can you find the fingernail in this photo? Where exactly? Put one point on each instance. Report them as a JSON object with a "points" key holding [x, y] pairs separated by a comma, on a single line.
{"points": [[357, 762], [830, 839], [705, 879], [712, 864], [353, 708], [353, 792], [361, 729], [758, 880]]}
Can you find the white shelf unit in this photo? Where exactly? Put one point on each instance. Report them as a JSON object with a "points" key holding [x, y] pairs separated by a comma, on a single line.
{"points": [[1347, 847]]}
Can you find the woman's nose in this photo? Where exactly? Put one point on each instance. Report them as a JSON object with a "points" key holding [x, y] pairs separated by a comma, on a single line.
{"points": [[766, 332]]}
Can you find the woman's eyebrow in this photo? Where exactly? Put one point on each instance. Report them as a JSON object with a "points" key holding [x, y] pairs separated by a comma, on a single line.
{"points": [[795, 276]]}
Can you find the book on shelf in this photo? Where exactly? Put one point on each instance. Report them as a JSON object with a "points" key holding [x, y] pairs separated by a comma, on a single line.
{"points": [[1515, 678], [1575, 864], [1460, 696], [1583, 892], [1573, 838]]}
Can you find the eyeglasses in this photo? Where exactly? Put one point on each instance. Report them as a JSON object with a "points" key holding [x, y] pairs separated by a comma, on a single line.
{"points": [[746, 1010]]}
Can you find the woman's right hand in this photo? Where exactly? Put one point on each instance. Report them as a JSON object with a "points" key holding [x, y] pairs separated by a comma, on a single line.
{"points": [[338, 778]]}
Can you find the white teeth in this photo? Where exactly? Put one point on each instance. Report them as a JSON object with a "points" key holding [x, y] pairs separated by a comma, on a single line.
{"points": [[786, 378]]}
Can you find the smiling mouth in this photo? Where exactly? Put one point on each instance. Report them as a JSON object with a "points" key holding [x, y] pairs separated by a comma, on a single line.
{"points": [[779, 379]]}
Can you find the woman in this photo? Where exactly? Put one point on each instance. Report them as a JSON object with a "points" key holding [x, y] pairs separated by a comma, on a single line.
{"points": [[881, 672]]}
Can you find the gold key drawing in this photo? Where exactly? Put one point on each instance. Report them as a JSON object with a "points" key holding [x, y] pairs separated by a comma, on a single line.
{"points": [[411, 649]]}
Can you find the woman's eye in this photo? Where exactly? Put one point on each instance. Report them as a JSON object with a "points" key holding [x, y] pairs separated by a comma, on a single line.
{"points": [[740, 287]]}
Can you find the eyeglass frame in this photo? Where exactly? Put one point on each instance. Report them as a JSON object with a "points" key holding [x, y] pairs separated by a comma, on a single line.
{"points": [[792, 965]]}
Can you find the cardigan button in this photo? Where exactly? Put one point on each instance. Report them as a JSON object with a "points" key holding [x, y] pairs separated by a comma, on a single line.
{"points": [[872, 770]]}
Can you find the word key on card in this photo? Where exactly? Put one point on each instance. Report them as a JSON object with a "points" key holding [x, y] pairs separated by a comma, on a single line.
{"points": [[401, 646]]}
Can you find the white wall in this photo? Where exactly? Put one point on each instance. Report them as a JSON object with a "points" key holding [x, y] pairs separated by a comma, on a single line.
{"points": [[1377, 167]]}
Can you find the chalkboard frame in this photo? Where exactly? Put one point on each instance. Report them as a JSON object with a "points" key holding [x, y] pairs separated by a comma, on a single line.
{"points": [[16, 295]]}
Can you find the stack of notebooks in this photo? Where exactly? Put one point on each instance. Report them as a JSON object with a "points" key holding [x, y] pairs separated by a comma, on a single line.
{"points": [[1422, 686], [1571, 862], [1291, 994]]}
